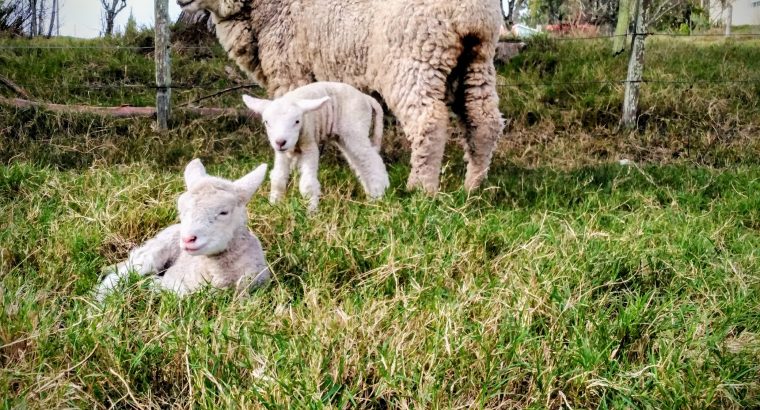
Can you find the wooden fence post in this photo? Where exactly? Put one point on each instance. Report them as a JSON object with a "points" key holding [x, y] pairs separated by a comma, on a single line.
{"points": [[163, 65], [635, 68], [729, 18]]}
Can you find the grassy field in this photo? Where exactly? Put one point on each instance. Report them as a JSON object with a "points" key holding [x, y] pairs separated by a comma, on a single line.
{"points": [[569, 281]]}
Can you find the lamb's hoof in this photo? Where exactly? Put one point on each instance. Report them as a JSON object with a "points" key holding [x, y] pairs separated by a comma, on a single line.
{"points": [[105, 287], [376, 194], [248, 283]]}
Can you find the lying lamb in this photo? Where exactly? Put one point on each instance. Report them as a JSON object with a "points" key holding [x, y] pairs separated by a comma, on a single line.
{"points": [[300, 120], [211, 244]]}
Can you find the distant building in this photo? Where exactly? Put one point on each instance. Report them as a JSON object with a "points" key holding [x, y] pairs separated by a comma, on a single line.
{"points": [[745, 12]]}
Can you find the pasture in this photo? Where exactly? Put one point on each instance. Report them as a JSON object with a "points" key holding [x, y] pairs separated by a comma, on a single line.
{"points": [[568, 281]]}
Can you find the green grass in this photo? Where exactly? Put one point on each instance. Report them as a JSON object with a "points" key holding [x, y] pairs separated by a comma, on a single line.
{"points": [[568, 281], [110, 71]]}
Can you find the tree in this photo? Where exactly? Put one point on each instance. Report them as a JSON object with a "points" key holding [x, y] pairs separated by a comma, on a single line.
{"points": [[14, 17], [547, 11], [509, 13], [111, 8], [26, 17], [54, 19], [32, 10]]}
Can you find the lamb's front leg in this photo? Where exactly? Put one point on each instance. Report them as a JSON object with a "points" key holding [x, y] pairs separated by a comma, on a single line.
{"points": [[279, 176], [154, 255], [309, 184]]}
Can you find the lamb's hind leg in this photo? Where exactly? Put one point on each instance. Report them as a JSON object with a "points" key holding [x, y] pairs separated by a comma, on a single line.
{"points": [[365, 161], [482, 118]]}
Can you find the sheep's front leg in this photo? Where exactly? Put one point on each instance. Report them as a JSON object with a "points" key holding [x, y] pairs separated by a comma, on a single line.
{"points": [[309, 184], [279, 176], [154, 255]]}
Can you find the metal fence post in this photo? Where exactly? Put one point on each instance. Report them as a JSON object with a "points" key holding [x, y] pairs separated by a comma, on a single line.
{"points": [[163, 65]]}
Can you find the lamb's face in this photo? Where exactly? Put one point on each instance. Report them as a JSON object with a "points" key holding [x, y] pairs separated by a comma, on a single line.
{"points": [[221, 9], [283, 118], [212, 210]]}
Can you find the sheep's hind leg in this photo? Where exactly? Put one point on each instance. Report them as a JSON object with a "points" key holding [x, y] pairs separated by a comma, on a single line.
{"points": [[426, 127], [482, 118], [417, 99]]}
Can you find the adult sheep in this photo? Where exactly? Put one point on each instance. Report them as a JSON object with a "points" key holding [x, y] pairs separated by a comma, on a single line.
{"points": [[419, 55]]}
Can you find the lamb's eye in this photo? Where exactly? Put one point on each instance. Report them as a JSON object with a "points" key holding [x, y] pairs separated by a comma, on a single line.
{"points": [[298, 122], [223, 213]]}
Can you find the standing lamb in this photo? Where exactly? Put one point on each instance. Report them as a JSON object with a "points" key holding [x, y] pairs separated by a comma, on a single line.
{"points": [[418, 55], [211, 244], [299, 121]]}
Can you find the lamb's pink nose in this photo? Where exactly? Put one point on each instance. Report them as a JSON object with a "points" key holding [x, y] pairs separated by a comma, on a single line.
{"points": [[280, 143], [189, 239]]}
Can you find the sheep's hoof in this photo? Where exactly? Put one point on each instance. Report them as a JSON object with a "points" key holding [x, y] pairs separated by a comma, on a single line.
{"points": [[416, 184], [473, 180]]}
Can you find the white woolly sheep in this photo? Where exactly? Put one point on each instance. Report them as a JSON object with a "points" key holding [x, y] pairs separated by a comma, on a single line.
{"points": [[299, 121], [419, 55], [211, 244]]}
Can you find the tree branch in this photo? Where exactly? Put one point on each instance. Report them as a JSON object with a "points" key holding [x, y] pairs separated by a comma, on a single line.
{"points": [[123, 6], [119, 112], [226, 90], [13, 86]]}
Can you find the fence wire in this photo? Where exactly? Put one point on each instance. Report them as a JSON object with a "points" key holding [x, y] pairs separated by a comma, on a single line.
{"points": [[182, 47], [218, 89]]}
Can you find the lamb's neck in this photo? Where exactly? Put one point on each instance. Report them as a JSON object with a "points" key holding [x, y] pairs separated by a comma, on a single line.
{"points": [[233, 248]]}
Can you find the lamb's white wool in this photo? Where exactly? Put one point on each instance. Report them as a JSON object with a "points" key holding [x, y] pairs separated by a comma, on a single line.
{"points": [[420, 56], [211, 244], [300, 120]]}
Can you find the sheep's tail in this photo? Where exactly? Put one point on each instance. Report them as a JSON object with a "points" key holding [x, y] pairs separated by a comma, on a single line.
{"points": [[377, 139]]}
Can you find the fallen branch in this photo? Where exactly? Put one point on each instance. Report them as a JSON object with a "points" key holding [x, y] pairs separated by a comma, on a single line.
{"points": [[119, 112], [226, 90], [13, 86]]}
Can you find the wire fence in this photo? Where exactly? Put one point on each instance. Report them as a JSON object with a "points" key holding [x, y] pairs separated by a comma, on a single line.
{"points": [[556, 38], [216, 89]]}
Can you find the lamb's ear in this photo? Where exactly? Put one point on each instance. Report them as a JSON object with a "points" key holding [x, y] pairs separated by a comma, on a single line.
{"points": [[311, 105], [256, 105], [194, 171], [251, 182]]}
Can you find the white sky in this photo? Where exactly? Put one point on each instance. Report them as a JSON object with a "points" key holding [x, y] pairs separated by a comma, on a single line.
{"points": [[82, 18]]}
